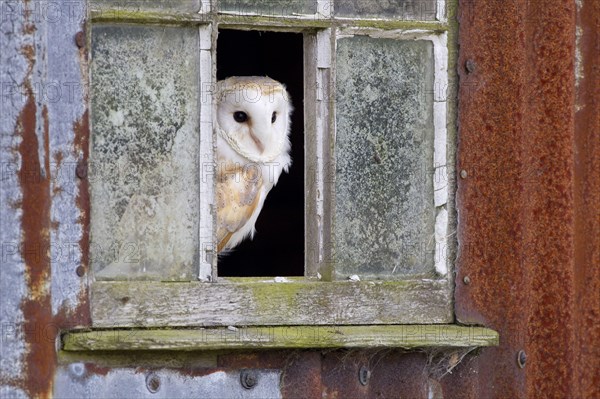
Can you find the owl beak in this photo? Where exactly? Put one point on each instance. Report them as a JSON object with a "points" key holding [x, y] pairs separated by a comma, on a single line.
{"points": [[258, 143]]}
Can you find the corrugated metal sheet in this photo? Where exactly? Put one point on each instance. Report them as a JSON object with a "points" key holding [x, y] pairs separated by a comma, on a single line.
{"points": [[529, 227], [43, 77], [79, 380], [528, 233]]}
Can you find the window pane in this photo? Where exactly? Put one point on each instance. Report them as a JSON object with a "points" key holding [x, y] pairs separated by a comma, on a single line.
{"points": [[275, 8], [384, 209], [150, 5], [423, 10], [144, 149]]}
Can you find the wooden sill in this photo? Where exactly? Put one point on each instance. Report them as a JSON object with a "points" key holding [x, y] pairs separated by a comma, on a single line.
{"points": [[152, 305], [282, 337]]}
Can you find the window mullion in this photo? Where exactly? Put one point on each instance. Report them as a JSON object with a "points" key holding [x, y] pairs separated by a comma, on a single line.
{"points": [[319, 164], [207, 258]]}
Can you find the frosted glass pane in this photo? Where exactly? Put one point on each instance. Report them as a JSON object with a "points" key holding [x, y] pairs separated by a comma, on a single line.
{"points": [[144, 149], [420, 10], [384, 209], [150, 5], [275, 8]]}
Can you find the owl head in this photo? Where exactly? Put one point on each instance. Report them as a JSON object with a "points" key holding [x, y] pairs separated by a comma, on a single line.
{"points": [[253, 113]]}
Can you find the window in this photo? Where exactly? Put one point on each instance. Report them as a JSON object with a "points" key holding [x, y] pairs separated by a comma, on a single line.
{"points": [[278, 248], [369, 195]]}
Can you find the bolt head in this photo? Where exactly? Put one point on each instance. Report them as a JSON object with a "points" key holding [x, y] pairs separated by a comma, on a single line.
{"points": [[153, 382], [470, 66], [467, 280], [463, 174], [521, 358], [80, 39], [80, 271], [77, 369], [81, 170], [364, 374], [248, 378]]}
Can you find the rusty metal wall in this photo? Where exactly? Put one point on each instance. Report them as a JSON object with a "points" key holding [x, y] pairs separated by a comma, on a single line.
{"points": [[529, 221], [529, 234], [43, 133]]}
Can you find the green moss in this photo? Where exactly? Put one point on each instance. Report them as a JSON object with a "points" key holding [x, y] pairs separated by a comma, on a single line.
{"points": [[282, 337], [143, 16], [252, 21], [435, 27]]}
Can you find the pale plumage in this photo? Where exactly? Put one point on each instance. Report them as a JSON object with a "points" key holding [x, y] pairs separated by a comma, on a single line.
{"points": [[253, 148]]}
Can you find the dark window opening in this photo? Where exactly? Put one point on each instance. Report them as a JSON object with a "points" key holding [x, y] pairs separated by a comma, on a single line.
{"points": [[278, 245]]}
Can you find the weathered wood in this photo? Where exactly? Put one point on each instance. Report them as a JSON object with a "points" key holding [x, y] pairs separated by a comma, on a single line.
{"points": [[397, 336], [233, 20], [262, 303], [124, 15]]}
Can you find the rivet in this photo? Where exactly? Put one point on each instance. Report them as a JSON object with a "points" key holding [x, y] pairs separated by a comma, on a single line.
{"points": [[463, 174], [80, 271], [80, 39], [467, 280], [363, 375], [470, 66], [521, 358], [81, 170], [248, 378], [153, 382], [77, 369]]}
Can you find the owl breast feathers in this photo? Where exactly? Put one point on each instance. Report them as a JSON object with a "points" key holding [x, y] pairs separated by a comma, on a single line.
{"points": [[253, 148]]}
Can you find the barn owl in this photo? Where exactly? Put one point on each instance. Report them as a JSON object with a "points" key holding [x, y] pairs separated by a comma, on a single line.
{"points": [[253, 149]]}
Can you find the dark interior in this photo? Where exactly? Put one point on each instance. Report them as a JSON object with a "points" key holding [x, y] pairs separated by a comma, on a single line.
{"points": [[278, 245]]}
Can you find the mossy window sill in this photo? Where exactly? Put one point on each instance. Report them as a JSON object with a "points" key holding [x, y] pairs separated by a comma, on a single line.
{"points": [[283, 337]]}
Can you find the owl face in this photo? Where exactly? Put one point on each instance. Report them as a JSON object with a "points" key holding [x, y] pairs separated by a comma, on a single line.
{"points": [[254, 116]]}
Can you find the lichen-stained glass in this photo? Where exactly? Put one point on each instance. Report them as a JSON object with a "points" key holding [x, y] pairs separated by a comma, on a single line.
{"points": [[384, 206], [419, 10], [144, 152], [272, 8], [124, 6]]}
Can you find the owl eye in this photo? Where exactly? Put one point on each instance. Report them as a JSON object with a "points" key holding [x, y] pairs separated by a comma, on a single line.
{"points": [[240, 116], [274, 117]]}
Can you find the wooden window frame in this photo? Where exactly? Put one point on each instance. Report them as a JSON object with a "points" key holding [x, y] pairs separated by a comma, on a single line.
{"points": [[314, 299]]}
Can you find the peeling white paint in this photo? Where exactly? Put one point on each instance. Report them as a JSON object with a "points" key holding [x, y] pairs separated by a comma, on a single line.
{"points": [[441, 232], [207, 259]]}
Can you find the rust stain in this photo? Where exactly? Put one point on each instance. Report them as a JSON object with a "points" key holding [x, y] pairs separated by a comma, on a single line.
{"points": [[58, 158], [35, 183], [93, 368], [82, 136], [28, 52], [187, 371], [29, 29], [39, 328]]}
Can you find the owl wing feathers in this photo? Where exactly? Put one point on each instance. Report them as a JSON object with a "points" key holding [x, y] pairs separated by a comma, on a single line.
{"points": [[238, 197]]}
